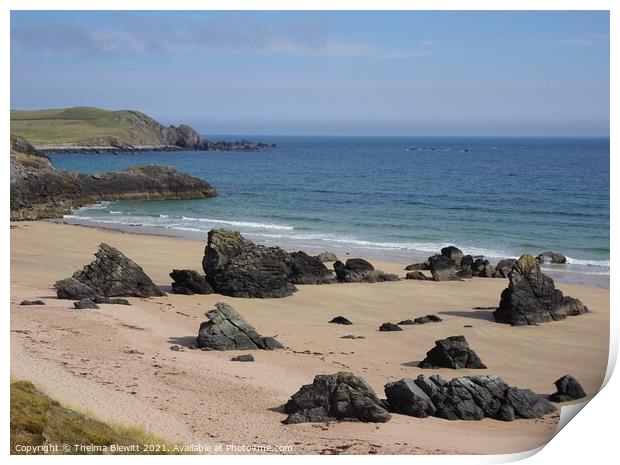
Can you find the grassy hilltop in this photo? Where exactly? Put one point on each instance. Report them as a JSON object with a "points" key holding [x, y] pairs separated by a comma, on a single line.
{"points": [[89, 126]]}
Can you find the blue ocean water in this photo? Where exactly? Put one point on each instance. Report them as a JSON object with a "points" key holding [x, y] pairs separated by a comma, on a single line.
{"points": [[390, 197]]}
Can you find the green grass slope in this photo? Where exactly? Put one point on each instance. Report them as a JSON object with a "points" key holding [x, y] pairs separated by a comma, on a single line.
{"points": [[37, 420], [88, 126]]}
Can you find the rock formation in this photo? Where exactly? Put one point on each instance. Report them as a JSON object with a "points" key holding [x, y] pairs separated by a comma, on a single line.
{"points": [[551, 257], [504, 267], [531, 297], [237, 267], [443, 268], [568, 388], [308, 270], [111, 274], [418, 266], [327, 257], [227, 330], [452, 352], [465, 398], [358, 270], [189, 282], [341, 396]]}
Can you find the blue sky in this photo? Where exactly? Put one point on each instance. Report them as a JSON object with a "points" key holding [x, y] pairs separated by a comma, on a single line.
{"points": [[331, 73]]}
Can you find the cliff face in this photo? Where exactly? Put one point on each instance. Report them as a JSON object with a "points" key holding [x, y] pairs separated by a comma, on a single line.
{"points": [[39, 191]]}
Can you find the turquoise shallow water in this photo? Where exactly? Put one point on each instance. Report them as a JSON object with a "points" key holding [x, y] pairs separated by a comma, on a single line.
{"points": [[397, 198]]}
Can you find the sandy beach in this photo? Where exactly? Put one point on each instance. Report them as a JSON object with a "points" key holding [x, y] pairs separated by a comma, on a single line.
{"points": [[116, 362]]}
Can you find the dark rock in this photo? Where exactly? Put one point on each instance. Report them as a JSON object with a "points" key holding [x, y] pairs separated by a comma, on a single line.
{"points": [[466, 270], [390, 327], [452, 352], [503, 267], [406, 322], [551, 257], [84, 304], [418, 267], [189, 282], [422, 320], [237, 267], [227, 330], [306, 269], [417, 275], [351, 336], [111, 274], [443, 268], [112, 301], [340, 320], [32, 302], [358, 270], [243, 358], [531, 297], [341, 396], [176, 348], [454, 254], [327, 257], [568, 388], [406, 397]]}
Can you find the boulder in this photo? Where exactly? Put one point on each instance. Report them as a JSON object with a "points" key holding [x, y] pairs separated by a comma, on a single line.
{"points": [[227, 330], [443, 268], [454, 254], [306, 269], [417, 275], [243, 358], [568, 388], [189, 282], [85, 304], [551, 257], [477, 397], [531, 297], [358, 270], [32, 302], [111, 274], [452, 352], [327, 257], [466, 270], [390, 327], [237, 267], [407, 398], [503, 267], [418, 266], [341, 396], [340, 320], [421, 320]]}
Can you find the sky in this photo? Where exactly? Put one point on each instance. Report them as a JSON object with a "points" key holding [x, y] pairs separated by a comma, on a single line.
{"points": [[416, 73]]}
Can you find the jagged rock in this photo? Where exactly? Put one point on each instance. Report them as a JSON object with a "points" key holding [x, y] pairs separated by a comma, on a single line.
{"points": [[85, 303], [452, 352], [390, 327], [327, 257], [482, 268], [551, 257], [111, 301], [358, 270], [406, 397], [243, 358], [503, 267], [531, 297], [477, 397], [340, 320], [237, 267], [189, 282], [341, 396], [111, 274], [568, 388], [32, 302], [306, 269], [443, 268], [227, 330], [422, 320], [454, 254], [417, 275], [418, 266]]}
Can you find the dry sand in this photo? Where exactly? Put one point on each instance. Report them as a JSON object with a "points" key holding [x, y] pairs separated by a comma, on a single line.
{"points": [[116, 362]]}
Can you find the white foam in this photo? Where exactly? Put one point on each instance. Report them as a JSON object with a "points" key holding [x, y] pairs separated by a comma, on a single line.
{"points": [[246, 224]]}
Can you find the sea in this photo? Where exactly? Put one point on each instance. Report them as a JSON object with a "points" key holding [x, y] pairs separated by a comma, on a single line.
{"points": [[392, 198]]}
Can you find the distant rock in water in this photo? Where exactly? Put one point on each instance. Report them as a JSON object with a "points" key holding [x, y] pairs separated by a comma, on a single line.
{"points": [[341, 396], [531, 297], [551, 257], [465, 398], [189, 282], [340, 320], [358, 270], [327, 257], [227, 330], [568, 389], [306, 269], [237, 267], [111, 274], [453, 352]]}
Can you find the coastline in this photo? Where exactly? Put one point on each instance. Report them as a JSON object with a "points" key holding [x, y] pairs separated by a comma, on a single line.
{"points": [[117, 362]]}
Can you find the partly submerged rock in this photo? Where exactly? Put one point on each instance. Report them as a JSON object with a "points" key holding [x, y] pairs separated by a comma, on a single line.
{"points": [[531, 297], [189, 282], [568, 388], [340, 320], [227, 330], [341, 396], [111, 274], [306, 269], [453, 352], [237, 267], [551, 257], [358, 270]]}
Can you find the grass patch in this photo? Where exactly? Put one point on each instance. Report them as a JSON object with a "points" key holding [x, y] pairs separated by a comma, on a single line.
{"points": [[38, 420]]}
